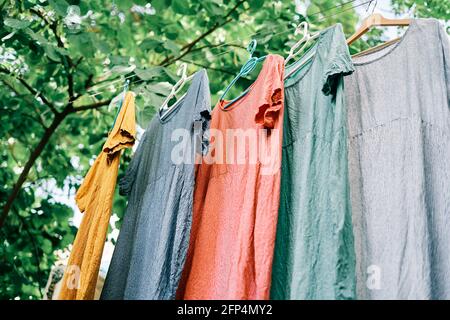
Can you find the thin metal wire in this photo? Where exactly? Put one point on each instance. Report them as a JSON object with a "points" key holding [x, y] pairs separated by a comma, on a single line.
{"points": [[260, 32], [331, 8]]}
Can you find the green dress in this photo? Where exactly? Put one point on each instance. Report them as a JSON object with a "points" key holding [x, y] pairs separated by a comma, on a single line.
{"points": [[314, 254]]}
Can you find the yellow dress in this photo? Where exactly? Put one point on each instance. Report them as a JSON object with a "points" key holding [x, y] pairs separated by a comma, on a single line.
{"points": [[95, 199]]}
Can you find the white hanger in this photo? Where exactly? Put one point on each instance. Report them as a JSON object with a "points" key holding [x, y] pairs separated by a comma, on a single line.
{"points": [[177, 86], [307, 37], [292, 52]]}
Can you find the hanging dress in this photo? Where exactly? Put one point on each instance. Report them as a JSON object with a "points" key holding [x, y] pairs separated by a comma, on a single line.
{"points": [[399, 152], [151, 248], [94, 199], [237, 195], [314, 252]]}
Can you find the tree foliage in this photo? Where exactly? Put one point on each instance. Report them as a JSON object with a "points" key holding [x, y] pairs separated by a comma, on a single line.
{"points": [[60, 66]]}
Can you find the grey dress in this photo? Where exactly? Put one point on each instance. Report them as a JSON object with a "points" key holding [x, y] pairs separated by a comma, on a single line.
{"points": [[399, 153], [151, 249]]}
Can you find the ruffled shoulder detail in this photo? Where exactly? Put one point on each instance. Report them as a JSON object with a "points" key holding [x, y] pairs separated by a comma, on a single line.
{"points": [[339, 62], [268, 113], [342, 66], [201, 131]]}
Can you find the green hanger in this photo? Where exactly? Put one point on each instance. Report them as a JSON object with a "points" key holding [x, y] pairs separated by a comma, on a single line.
{"points": [[248, 67]]}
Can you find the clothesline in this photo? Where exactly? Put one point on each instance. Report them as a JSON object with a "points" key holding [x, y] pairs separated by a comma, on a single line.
{"points": [[251, 36]]}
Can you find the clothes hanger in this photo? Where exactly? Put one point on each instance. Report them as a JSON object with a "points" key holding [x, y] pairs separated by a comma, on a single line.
{"points": [[306, 39], [377, 20], [376, 48], [248, 67], [412, 12], [181, 72]]}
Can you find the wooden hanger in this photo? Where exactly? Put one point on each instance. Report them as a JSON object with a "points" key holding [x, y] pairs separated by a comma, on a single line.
{"points": [[377, 48], [376, 20]]}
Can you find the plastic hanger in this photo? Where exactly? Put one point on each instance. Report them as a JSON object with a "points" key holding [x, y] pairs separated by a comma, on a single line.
{"points": [[181, 72], [248, 67], [376, 20], [303, 29], [307, 37]]}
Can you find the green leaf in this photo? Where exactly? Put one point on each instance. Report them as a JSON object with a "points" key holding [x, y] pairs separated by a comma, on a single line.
{"points": [[51, 52], [149, 73], [213, 8], [172, 47], [60, 6], [256, 4], [47, 246], [149, 44], [122, 70], [125, 37], [160, 5], [161, 88], [82, 43], [101, 44], [180, 6], [16, 24], [36, 37]]}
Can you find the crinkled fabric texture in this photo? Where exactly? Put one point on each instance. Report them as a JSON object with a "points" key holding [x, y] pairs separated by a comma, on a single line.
{"points": [[94, 199], [151, 249], [314, 252], [399, 125], [236, 204]]}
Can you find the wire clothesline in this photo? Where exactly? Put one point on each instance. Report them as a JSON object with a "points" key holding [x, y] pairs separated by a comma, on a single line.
{"points": [[261, 34]]}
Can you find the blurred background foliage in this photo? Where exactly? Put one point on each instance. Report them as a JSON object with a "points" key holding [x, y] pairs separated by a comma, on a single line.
{"points": [[61, 62]]}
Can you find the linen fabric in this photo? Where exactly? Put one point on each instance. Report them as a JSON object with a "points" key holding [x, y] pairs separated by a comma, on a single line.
{"points": [[314, 253], [151, 248], [95, 198], [399, 125], [236, 201]]}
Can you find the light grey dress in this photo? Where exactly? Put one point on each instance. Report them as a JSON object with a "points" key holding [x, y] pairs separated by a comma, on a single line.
{"points": [[399, 166], [151, 249]]}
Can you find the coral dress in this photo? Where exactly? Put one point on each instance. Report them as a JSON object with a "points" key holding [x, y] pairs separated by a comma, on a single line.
{"points": [[236, 195]]}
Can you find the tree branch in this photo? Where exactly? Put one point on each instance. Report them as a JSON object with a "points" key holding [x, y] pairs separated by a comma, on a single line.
{"points": [[31, 90], [38, 150], [60, 116], [36, 251], [66, 60], [224, 45], [38, 120], [31, 160], [188, 47], [91, 106]]}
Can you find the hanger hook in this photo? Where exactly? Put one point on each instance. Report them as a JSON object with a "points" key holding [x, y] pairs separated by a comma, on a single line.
{"points": [[252, 46], [181, 72], [302, 25]]}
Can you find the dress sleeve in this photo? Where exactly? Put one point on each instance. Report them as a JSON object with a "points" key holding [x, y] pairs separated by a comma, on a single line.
{"points": [[202, 116], [123, 136], [339, 62], [269, 112], [87, 188]]}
